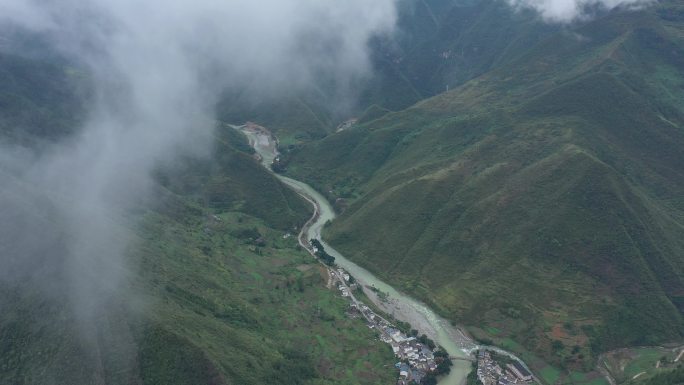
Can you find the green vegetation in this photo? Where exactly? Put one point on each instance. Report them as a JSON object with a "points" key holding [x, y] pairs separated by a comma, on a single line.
{"points": [[372, 113], [230, 180], [472, 378], [263, 314], [673, 377], [40, 100], [226, 298], [445, 43], [626, 364], [644, 361], [320, 253], [293, 119], [215, 293], [542, 198], [550, 375], [442, 42]]}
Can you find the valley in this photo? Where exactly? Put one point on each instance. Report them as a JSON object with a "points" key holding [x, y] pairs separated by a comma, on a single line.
{"points": [[400, 306], [461, 192], [539, 204]]}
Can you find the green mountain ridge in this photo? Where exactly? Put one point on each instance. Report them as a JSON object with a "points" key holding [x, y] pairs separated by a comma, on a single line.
{"points": [[544, 194], [438, 43], [446, 43]]}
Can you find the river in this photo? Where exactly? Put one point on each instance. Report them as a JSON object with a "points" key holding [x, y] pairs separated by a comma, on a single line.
{"points": [[398, 304]]}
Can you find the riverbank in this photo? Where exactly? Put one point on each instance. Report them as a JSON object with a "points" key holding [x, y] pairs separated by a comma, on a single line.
{"points": [[393, 302], [404, 308]]}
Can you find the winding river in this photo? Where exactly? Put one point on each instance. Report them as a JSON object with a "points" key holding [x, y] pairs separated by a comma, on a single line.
{"points": [[400, 305]]}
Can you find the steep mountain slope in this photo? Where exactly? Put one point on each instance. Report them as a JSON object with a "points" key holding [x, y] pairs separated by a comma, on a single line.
{"points": [[296, 118], [674, 377], [39, 99], [209, 304], [214, 294], [444, 43], [541, 200], [438, 43]]}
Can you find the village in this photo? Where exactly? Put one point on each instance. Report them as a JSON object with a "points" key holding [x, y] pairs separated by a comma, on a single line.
{"points": [[420, 361], [417, 361], [491, 372]]}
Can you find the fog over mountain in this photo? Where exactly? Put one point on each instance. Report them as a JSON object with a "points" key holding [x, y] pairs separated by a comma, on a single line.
{"points": [[157, 69], [570, 10]]}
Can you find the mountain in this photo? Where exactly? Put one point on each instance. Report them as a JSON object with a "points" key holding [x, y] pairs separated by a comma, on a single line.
{"points": [[438, 43], [444, 43], [540, 203], [302, 117], [213, 294], [40, 100]]}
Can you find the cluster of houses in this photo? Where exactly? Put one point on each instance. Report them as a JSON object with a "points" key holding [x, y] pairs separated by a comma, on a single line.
{"points": [[416, 359], [489, 372], [345, 287]]}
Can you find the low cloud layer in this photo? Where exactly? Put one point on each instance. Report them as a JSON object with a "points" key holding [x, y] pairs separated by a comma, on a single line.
{"points": [[564, 11], [158, 67]]}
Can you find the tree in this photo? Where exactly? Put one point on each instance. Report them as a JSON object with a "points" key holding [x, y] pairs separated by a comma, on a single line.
{"points": [[444, 367], [430, 379], [425, 340], [472, 378], [557, 346], [317, 244], [320, 253]]}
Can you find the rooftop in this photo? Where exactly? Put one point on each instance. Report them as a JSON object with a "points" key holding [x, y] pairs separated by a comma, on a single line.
{"points": [[521, 369]]}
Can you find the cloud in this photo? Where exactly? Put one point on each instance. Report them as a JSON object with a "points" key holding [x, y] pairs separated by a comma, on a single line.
{"points": [[564, 11], [158, 68]]}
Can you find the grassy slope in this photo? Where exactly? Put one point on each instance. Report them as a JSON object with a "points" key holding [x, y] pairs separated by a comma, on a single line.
{"points": [[644, 363], [204, 302], [543, 197], [230, 180], [211, 306], [672, 377], [213, 309], [295, 118]]}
